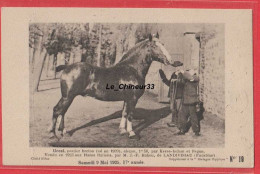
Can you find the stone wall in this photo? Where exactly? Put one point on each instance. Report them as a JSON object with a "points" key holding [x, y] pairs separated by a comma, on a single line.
{"points": [[211, 62], [212, 70]]}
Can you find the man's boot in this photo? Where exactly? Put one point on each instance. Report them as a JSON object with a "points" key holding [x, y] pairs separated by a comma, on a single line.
{"points": [[174, 122]]}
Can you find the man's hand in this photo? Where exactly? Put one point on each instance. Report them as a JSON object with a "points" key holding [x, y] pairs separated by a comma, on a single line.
{"points": [[173, 80], [180, 71], [163, 76], [177, 63]]}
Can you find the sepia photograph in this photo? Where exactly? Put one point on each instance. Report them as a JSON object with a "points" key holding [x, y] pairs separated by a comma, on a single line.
{"points": [[127, 85]]}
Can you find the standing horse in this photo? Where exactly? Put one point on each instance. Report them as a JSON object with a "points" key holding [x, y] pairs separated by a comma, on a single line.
{"points": [[88, 80]]}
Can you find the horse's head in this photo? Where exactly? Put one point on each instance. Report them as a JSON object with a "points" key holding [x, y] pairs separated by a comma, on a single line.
{"points": [[158, 51]]}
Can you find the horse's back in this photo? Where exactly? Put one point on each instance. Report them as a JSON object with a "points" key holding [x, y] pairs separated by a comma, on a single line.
{"points": [[88, 80]]}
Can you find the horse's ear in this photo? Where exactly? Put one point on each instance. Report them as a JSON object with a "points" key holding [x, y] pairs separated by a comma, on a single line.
{"points": [[150, 37], [157, 35]]}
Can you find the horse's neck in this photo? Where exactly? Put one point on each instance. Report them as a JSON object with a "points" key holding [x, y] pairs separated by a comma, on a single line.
{"points": [[138, 58], [142, 63]]}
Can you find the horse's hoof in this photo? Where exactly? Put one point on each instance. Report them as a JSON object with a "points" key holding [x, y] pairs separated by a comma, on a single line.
{"points": [[66, 135], [135, 137], [122, 131], [53, 136], [70, 133], [63, 132], [50, 129]]}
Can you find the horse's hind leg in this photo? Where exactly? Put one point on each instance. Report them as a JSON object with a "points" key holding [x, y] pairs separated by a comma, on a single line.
{"points": [[60, 109], [122, 126]]}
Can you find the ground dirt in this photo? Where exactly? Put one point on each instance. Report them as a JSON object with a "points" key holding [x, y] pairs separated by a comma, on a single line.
{"points": [[95, 123]]}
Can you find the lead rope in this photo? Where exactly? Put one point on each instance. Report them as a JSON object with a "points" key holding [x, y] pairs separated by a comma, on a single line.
{"points": [[198, 93], [174, 96], [175, 92]]}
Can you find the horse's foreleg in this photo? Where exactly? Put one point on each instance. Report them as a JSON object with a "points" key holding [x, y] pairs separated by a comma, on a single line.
{"points": [[122, 126], [130, 113], [129, 124], [62, 126]]}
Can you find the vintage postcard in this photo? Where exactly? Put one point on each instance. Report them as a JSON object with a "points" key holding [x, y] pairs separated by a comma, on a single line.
{"points": [[127, 87]]}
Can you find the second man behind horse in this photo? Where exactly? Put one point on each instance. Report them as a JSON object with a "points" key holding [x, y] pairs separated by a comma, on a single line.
{"points": [[184, 86]]}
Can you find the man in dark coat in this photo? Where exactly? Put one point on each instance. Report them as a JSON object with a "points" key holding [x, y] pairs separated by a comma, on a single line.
{"points": [[190, 102], [184, 86], [174, 93]]}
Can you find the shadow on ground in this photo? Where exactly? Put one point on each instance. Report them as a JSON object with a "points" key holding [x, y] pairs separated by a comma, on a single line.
{"points": [[148, 117]]}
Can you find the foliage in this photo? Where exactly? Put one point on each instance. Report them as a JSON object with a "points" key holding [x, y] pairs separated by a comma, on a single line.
{"points": [[115, 39]]}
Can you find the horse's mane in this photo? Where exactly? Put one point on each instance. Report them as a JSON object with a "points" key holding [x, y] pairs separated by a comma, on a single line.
{"points": [[133, 49]]}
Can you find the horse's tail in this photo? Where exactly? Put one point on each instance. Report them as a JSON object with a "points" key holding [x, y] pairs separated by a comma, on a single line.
{"points": [[61, 67]]}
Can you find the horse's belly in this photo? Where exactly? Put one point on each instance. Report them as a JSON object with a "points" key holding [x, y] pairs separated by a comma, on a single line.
{"points": [[109, 95], [105, 94], [114, 90]]}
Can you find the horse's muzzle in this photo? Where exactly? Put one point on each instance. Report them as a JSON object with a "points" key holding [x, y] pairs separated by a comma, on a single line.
{"points": [[166, 62]]}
